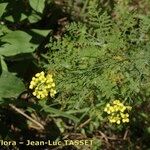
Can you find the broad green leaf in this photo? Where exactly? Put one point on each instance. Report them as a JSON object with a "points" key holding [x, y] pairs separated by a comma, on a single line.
{"points": [[10, 85], [16, 42], [2, 8], [15, 9], [37, 5], [9, 18], [41, 32], [3, 64], [33, 18], [23, 17]]}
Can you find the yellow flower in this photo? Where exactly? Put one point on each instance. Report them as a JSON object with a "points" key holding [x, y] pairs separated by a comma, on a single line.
{"points": [[42, 85], [53, 84], [116, 102], [117, 112], [108, 105], [112, 109], [39, 74], [106, 109], [116, 108], [31, 86], [118, 121], [112, 119], [125, 120], [129, 107], [52, 92], [122, 108], [34, 93], [109, 109]]}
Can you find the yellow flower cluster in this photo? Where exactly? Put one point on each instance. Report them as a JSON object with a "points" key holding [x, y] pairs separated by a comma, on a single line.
{"points": [[42, 85], [117, 112]]}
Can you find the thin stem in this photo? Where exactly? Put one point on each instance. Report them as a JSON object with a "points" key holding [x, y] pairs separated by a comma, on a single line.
{"points": [[25, 115]]}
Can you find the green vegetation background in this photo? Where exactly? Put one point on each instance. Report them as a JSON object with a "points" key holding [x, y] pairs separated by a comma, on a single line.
{"points": [[98, 51]]}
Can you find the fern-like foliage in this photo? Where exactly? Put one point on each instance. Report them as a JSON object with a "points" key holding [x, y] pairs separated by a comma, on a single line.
{"points": [[101, 60]]}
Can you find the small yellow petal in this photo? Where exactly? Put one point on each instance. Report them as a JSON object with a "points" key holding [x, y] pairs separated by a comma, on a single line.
{"points": [[37, 75], [118, 122], [129, 107], [31, 86], [125, 120], [116, 102], [105, 109], [33, 78], [108, 105], [32, 83], [42, 73], [53, 84], [48, 86], [108, 112], [38, 96], [49, 80], [34, 93]]}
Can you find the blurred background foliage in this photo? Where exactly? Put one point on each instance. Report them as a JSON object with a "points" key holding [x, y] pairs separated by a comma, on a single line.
{"points": [[98, 51]]}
